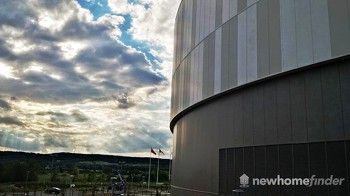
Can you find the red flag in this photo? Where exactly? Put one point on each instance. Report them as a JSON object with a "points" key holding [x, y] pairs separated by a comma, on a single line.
{"points": [[153, 152], [161, 152]]}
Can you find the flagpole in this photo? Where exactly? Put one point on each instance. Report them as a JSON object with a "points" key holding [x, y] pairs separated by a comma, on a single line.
{"points": [[169, 175], [158, 167], [149, 169]]}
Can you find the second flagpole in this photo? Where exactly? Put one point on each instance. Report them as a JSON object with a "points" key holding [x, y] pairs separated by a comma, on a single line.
{"points": [[158, 167], [149, 169]]}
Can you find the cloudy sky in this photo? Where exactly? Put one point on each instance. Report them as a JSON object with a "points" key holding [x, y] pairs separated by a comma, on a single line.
{"points": [[86, 76]]}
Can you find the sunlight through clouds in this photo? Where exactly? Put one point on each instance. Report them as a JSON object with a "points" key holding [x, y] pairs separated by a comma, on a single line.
{"points": [[72, 82]]}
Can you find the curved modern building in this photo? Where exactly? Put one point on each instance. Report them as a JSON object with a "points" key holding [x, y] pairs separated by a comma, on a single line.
{"points": [[261, 88]]}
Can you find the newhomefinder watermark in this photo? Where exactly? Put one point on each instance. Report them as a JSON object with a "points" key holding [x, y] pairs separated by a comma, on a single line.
{"points": [[280, 181]]}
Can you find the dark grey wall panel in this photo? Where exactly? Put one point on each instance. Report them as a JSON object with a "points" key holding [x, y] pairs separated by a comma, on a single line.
{"points": [[211, 64], [320, 30], [301, 165], [348, 161], [231, 167], [206, 65], [241, 5], [314, 109], [284, 125], [242, 48], [303, 32], [252, 43], [263, 38], [223, 170], [248, 117], [248, 166], [258, 116], [318, 166], [232, 53], [187, 81], [239, 165], [332, 109], [344, 71], [260, 165], [286, 167], [274, 37], [271, 135], [336, 160], [218, 13], [298, 108], [339, 26], [194, 21], [225, 57], [238, 123], [272, 168], [291, 160], [225, 122], [288, 34]]}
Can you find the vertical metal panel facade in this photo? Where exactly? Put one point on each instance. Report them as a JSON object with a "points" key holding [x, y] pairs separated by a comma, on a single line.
{"points": [[295, 124], [320, 30], [242, 48], [252, 43], [261, 38], [217, 69]]}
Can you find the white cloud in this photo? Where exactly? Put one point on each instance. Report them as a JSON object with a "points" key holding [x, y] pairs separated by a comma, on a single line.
{"points": [[152, 22], [59, 65]]}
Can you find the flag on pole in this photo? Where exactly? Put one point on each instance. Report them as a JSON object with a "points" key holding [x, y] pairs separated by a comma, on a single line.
{"points": [[161, 152], [153, 152]]}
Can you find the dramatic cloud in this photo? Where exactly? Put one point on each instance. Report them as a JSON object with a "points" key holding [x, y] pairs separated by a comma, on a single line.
{"points": [[71, 81], [152, 22], [4, 105], [8, 120]]}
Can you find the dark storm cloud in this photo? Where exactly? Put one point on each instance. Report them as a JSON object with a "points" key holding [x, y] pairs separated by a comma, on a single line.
{"points": [[103, 58], [79, 30], [111, 85], [124, 101], [4, 105], [146, 77], [5, 52], [12, 13], [75, 115], [10, 120], [79, 116], [43, 88]]}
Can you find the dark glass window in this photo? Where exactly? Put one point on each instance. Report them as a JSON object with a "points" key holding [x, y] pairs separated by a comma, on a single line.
{"points": [[337, 166], [230, 169], [286, 167], [301, 166], [222, 171], [238, 166], [272, 169], [260, 168], [318, 166]]}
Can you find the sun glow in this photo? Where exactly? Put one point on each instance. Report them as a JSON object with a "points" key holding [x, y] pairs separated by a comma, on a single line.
{"points": [[6, 71]]}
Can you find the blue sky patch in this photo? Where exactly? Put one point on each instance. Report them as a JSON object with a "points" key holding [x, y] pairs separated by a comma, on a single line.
{"points": [[99, 8]]}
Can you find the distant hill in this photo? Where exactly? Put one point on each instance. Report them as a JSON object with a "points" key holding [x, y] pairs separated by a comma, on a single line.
{"points": [[72, 158]]}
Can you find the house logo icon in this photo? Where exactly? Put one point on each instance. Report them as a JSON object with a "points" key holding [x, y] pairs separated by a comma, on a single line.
{"points": [[244, 181]]}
